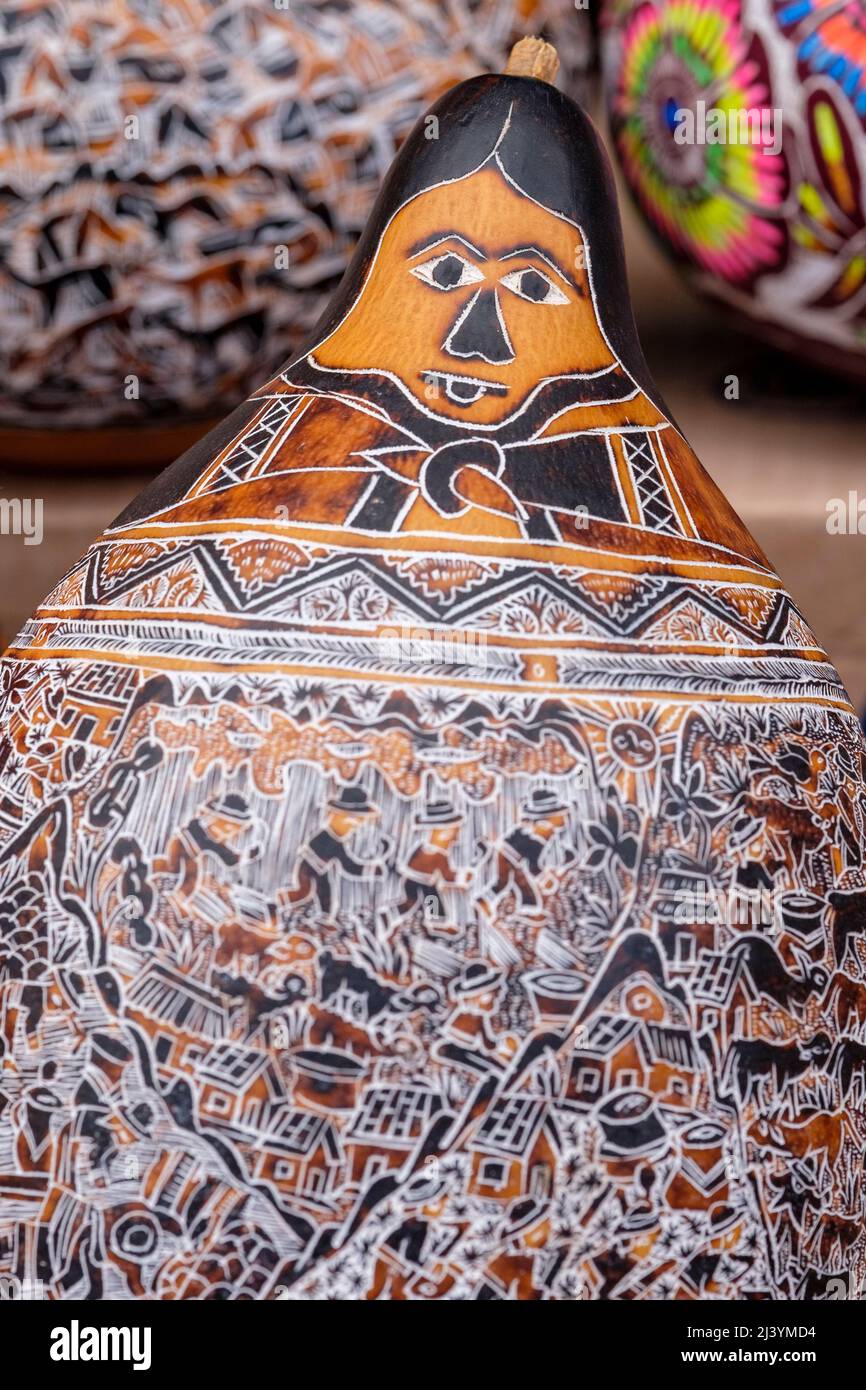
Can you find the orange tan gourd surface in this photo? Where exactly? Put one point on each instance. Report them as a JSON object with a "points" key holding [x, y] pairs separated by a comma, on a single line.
{"points": [[431, 839]]}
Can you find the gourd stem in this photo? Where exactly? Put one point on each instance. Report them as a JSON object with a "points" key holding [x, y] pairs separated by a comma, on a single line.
{"points": [[531, 57]]}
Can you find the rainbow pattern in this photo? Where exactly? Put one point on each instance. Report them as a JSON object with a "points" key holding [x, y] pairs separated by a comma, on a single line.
{"points": [[719, 205], [832, 214], [736, 215], [831, 39]]}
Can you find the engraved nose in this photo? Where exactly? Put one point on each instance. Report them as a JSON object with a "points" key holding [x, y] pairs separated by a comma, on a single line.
{"points": [[479, 331]]}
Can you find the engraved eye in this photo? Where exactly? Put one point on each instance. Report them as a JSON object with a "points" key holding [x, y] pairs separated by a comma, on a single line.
{"points": [[448, 272], [530, 284]]}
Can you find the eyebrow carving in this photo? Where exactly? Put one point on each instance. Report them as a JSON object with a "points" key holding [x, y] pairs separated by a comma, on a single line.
{"points": [[542, 256], [438, 240]]}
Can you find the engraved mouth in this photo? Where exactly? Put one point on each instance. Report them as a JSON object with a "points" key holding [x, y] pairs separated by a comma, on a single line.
{"points": [[463, 390]]}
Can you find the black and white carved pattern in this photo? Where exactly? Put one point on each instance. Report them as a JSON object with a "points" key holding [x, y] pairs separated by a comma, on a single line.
{"points": [[655, 506], [141, 273], [244, 1055]]}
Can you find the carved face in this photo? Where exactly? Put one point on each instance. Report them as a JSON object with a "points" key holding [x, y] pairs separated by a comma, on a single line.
{"points": [[443, 836], [549, 826], [477, 296], [345, 823]]}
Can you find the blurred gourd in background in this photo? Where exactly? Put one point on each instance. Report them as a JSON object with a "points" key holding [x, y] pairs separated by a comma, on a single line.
{"points": [[181, 185], [775, 228]]}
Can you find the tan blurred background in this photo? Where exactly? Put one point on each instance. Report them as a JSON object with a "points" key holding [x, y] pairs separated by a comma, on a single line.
{"points": [[791, 442]]}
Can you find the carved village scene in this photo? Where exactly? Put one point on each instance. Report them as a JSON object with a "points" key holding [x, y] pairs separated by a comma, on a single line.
{"points": [[373, 795]]}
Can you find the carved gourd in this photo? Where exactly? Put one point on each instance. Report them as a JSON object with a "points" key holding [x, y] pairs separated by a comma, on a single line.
{"points": [[741, 132], [431, 840], [183, 186]]}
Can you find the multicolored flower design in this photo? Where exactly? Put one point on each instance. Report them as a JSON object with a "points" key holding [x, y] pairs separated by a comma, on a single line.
{"points": [[831, 190], [831, 218], [718, 204], [831, 39]]}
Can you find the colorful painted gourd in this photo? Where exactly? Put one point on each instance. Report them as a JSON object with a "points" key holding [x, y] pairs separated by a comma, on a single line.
{"points": [[766, 210], [431, 840], [181, 186]]}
